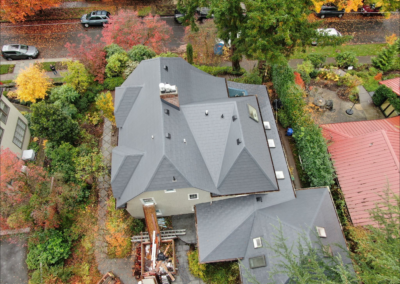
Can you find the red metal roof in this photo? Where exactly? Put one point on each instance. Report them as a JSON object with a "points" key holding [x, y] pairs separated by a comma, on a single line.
{"points": [[394, 84], [366, 157]]}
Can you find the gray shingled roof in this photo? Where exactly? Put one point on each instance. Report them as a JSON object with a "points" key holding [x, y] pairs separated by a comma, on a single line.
{"points": [[226, 228], [210, 159]]}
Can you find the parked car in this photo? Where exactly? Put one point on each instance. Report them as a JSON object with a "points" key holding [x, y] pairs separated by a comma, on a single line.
{"points": [[330, 11], [178, 16], [327, 32], [19, 51], [95, 18], [202, 12], [369, 10]]}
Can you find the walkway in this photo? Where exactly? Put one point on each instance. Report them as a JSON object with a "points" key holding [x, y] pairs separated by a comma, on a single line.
{"points": [[13, 268], [121, 267]]}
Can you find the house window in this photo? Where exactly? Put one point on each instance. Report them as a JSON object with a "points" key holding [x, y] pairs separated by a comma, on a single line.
{"points": [[148, 201], [19, 133], [1, 133], [257, 243], [258, 261], [4, 110], [169, 190], [158, 212], [321, 232], [193, 196]]}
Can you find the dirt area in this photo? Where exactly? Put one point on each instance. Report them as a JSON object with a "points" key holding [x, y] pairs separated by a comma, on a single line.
{"points": [[326, 84]]}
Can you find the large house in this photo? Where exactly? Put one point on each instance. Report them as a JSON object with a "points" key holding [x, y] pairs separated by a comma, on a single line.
{"points": [[14, 131], [191, 143]]}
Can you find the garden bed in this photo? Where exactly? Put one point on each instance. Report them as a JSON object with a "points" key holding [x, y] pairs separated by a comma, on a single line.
{"points": [[8, 68]]}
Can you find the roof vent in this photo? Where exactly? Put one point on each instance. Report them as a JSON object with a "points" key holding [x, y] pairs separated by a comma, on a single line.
{"points": [[222, 116], [162, 87], [166, 111], [168, 135], [279, 175], [184, 140], [238, 141], [152, 136], [267, 125], [321, 232], [259, 199], [165, 67], [206, 112], [257, 242], [234, 117], [271, 143], [174, 179]]}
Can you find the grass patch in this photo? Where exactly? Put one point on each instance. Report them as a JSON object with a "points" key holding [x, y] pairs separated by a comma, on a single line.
{"points": [[5, 69], [46, 65], [58, 80], [6, 81], [332, 51], [144, 11]]}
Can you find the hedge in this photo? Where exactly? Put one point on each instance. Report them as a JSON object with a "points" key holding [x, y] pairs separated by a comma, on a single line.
{"points": [[219, 70], [310, 143]]}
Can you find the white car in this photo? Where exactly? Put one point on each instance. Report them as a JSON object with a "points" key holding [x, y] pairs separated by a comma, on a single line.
{"points": [[328, 32]]}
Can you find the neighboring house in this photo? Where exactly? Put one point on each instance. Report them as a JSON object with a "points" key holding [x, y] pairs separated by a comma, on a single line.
{"points": [[14, 131], [387, 108], [212, 148], [366, 157]]}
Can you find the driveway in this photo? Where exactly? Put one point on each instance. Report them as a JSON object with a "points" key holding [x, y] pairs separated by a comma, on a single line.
{"points": [[13, 269]]}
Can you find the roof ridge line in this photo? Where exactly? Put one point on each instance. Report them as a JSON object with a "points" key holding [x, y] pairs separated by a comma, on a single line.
{"points": [[392, 125], [231, 167], [337, 132], [319, 206], [165, 155], [396, 161]]}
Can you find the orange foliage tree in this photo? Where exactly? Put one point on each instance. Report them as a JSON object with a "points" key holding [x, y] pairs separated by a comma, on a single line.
{"points": [[18, 10], [347, 5], [29, 197]]}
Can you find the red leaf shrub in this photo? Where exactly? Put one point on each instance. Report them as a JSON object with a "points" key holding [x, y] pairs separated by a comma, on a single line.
{"points": [[91, 54], [298, 80], [378, 77], [127, 29]]}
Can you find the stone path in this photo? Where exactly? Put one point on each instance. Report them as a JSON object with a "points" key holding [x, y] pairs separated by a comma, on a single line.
{"points": [[121, 267], [184, 276]]}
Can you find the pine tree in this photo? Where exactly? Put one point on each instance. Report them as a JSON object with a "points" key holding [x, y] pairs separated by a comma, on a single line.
{"points": [[189, 53], [385, 59]]}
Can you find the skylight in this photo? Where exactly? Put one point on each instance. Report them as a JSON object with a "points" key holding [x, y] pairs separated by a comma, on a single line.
{"points": [[258, 261], [321, 232], [237, 92], [257, 243]]}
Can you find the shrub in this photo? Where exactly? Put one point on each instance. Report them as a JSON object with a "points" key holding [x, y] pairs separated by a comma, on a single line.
{"points": [[306, 66], [283, 78], [144, 11], [78, 76], [65, 93], [250, 78], [314, 74], [130, 67], [385, 58], [34, 146], [317, 59], [346, 59], [116, 64], [137, 226], [168, 54], [189, 53], [82, 104], [381, 95], [93, 90], [349, 80], [111, 83], [104, 103], [305, 76], [113, 49], [49, 121], [53, 247], [140, 52], [197, 269], [219, 70], [283, 119], [62, 160]]}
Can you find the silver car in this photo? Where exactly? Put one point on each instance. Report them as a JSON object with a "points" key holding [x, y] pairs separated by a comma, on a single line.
{"points": [[19, 51]]}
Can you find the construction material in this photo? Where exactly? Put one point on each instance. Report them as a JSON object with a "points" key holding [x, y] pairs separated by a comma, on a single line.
{"points": [[169, 273], [165, 235]]}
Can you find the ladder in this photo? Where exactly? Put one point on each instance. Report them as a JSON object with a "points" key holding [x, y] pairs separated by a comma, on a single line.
{"points": [[165, 235]]}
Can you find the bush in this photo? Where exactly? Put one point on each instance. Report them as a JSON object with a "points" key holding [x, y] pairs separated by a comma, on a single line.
{"points": [[116, 64], [306, 67], [386, 58], [51, 122], [346, 59], [305, 76], [113, 49], [34, 146], [62, 160], [219, 70], [189, 53], [382, 94], [51, 274], [130, 67], [140, 52], [138, 226], [283, 119], [250, 78], [77, 76], [82, 104], [105, 104], [111, 83], [168, 54], [317, 59], [314, 74], [65, 93], [195, 268], [144, 11], [92, 92], [52, 248]]}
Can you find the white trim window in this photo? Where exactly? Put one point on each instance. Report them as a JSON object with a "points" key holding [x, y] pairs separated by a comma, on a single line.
{"points": [[193, 196], [148, 201], [4, 110], [170, 190], [19, 134]]}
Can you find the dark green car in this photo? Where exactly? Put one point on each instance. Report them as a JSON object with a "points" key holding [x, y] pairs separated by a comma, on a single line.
{"points": [[96, 18]]}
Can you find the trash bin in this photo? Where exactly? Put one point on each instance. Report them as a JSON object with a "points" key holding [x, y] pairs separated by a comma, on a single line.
{"points": [[289, 132]]}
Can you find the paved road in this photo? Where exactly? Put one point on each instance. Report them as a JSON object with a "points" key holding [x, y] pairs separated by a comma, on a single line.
{"points": [[13, 269], [50, 37]]}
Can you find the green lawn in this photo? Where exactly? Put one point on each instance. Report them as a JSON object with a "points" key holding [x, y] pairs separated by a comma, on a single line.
{"points": [[46, 65], [332, 51], [5, 69], [58, 79], [6, 81]]}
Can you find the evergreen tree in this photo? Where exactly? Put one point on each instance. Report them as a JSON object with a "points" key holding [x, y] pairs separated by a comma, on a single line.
{"points": [[189, 53], [385, 59]]}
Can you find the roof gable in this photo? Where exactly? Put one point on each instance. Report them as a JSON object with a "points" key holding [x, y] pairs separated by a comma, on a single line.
{"points": [[125, 97]]}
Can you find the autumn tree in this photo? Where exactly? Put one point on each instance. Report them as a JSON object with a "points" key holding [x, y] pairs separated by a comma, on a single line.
{"points": [[18, 10], [78, 76], [32, 84], [29, 197], [353, 5], [91, 54], [104, 103], [127, 29]]}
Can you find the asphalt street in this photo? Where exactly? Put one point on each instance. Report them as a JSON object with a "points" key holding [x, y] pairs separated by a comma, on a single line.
{"points": [[50, 37]]}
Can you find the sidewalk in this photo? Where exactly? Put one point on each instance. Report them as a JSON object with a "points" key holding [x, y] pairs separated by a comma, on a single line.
{"points": [[22, 64]]}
